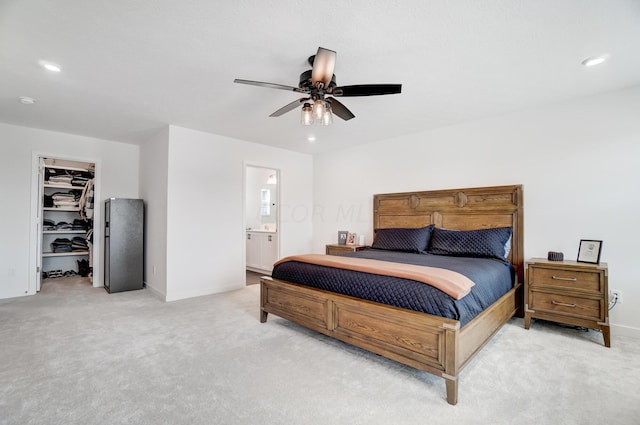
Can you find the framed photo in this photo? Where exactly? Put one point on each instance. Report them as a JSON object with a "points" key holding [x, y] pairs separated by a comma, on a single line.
{"points": [[342, 237], [589, 251], [352, 239]]}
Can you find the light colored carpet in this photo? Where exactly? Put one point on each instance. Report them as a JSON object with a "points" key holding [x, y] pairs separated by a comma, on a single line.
{"points": [[73, 354]]}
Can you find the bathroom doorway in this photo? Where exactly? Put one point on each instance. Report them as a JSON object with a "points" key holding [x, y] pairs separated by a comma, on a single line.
{"points": [[262, 225]]}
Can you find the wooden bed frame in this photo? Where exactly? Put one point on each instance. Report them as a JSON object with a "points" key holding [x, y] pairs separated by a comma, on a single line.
{"points": [[430, 343]]}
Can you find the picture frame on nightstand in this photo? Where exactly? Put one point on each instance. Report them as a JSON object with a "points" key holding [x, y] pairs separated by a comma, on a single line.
{"points": [[342, 237], [352, 238], [589, 251]]}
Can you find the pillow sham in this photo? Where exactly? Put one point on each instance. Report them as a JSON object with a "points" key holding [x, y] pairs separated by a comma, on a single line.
{"points": [[405, 240], [491, 243]]}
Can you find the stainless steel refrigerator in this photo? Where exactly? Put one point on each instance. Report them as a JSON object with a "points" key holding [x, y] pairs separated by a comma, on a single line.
{"points": [[124, 244]]}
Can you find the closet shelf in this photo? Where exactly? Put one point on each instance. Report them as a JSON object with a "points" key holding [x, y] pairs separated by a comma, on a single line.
{"points": [[62, 232], [66, 167], [62, 186], [61, 209], [65, 254]]}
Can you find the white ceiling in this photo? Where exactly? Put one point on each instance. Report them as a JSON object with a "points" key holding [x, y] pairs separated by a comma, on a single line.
{"points": [[131, 67]]}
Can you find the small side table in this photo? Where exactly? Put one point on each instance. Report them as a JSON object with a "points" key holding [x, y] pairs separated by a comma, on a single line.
{"points": [[568, 292], [335, 249]]}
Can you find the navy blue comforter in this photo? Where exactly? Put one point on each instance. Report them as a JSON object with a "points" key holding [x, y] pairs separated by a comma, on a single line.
{"points": [[493, 278]]}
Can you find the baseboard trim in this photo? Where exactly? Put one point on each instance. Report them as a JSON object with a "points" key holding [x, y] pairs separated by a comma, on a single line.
{"points": [[260, 271], [156, 294], [628, 331]]}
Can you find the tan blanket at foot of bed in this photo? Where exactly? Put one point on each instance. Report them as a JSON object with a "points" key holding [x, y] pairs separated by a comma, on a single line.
{"points": [[448, 281]]}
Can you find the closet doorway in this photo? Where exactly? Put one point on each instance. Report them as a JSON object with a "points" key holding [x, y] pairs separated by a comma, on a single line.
{"points": [[262, 220], [64, 216]]}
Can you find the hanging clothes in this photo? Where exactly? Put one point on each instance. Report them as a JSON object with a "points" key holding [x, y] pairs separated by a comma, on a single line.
{"points": [[86, 201]]}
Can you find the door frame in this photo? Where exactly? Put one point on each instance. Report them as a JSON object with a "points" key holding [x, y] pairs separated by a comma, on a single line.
{"points": [[36, 208]]}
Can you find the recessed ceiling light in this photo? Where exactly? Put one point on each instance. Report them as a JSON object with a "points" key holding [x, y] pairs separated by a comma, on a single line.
{"points": [[311, 139], [50, 66], [594, 60], [25, 100]]}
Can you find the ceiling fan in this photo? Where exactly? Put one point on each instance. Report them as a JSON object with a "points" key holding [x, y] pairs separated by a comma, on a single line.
{"points": [[320, 89]]}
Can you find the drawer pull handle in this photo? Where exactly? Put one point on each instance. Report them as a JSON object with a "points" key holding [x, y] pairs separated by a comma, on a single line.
{"points": [[554, 302], [571, 279]]}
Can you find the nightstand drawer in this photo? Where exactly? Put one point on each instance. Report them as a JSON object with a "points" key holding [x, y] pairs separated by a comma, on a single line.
{"points": [[570, 279], [567, 305]]}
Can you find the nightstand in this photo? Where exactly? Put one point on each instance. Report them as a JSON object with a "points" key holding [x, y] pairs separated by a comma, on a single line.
{"points": [[335, 249], [568, 292]]}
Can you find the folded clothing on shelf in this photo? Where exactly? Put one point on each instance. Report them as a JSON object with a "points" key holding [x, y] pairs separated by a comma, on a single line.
{"points": [[61, 245], [66, 199], [79, 224], [63, 225], [67, 177], [79, 244], [60, 179]]}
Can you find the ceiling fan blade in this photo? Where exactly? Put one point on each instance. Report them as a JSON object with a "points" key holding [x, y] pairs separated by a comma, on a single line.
{"points": [[367, 90], [289, 107], [270, 85], [323, 65], [339, 109]]}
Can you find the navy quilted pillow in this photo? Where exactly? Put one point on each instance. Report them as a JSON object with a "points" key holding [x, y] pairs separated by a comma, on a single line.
{"points": [[406, 240], [471, 243]]}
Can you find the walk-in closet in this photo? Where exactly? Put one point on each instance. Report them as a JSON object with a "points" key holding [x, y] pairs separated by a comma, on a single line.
{"points": [[66, 220]]}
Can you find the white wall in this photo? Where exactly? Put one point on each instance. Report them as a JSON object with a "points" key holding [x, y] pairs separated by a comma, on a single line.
{"points": [[117, 165], [153, 189], [578, 162], [205, 217]]}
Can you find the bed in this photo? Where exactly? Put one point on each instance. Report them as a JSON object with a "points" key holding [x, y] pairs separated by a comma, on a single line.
{"points": [[439, 345]]}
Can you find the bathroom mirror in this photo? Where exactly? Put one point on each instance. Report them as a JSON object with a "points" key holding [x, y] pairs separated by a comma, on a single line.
{"points": [[261, 193]]}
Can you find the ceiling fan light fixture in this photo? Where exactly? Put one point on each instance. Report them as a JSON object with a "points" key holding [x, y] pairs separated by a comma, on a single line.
{"points": [[323, 66], [307, 114], [327, 117], [318, 109], [319, 88]]}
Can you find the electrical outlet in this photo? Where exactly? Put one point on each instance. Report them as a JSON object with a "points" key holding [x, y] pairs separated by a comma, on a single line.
{"points": [[615, 294]]}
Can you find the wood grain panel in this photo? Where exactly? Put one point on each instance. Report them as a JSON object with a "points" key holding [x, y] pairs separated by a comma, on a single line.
{"points": [[396, 203], [313, 308], [491, 200], [431, 203], [403, 221], [401, 336], [476, 221]]}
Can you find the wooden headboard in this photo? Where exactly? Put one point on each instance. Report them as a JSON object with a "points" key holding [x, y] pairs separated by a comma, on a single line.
{"points": [[462, 209]]}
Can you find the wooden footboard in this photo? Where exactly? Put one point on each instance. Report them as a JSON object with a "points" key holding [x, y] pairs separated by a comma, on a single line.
{"points": [[430, 343]]}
